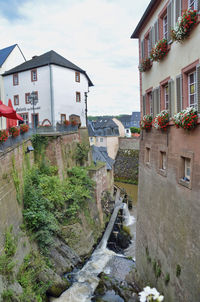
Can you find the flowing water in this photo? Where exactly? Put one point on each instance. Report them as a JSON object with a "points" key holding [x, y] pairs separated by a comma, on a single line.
{"points": [[86, 280]]}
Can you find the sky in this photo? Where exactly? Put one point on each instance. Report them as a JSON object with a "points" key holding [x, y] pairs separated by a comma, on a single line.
{"points": [[93, 34]]}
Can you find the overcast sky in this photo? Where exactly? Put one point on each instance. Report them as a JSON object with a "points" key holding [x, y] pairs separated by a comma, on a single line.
{"points": [[93, 34]]}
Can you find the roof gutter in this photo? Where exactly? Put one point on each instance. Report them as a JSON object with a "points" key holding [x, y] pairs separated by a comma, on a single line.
{"points": [[146, 14]]}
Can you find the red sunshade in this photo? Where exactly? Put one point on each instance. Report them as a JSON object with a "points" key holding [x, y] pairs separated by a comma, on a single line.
{"points": [[9, 112]]}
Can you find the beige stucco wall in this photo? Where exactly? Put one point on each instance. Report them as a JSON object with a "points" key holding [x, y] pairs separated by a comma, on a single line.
{"points": [[112, 146], [179, 56], [120, 126]]}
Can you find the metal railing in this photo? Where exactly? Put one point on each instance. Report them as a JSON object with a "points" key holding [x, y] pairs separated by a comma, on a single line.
{"points": [[42, 130]]}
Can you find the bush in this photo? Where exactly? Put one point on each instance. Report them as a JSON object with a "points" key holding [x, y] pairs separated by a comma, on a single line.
{"points": [[3, 136], [135, 130], [81, 153], [24, 128], [14, 131]]}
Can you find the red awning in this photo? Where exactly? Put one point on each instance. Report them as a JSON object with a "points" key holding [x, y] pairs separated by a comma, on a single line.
{"points": [[9, 112]]}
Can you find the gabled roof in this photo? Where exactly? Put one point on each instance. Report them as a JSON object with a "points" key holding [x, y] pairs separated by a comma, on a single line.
{"points": [[101, 154], [50, 57], [125, 118], [104, 123], [4, 53], [152, 5], [135, 116]]}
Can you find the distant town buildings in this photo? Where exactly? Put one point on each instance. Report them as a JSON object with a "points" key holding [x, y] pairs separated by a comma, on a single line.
{"points": [[104, 133], [168, 242], [59, 86], [130, 121]]}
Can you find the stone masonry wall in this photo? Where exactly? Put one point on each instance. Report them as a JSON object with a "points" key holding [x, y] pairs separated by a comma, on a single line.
{"points": [[168, 228], [129, 143]]}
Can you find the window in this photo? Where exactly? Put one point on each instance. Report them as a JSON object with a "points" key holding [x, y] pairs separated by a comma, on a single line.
{"points": [[97, 139], [91, 139], [163, 160], [15, 79], [165, 25], [77, 76], [192, 89], [26, 98], [78, 97], [34, 75], [63, 118], [25, 117], [101, 139], [187, 169], [148, 46], [147, 155], [166, 94], [16, 99], [127, 130], [192, 4]]}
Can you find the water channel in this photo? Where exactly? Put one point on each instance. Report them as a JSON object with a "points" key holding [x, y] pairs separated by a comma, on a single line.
{"points": [[86, 280]]}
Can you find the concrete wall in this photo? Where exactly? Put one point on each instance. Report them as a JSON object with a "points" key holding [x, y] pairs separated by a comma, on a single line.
{"points": [[42, 85], [168, 214], [65, 88], [120, 126], [129, 143]]}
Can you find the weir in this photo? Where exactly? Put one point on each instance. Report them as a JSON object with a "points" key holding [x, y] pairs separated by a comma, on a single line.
{"points": [[86, 280]]}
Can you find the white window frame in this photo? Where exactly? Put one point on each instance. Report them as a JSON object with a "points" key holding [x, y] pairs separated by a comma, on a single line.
{"points": [[192, 3], [165, 27], [195, 89], [25, 117], [166, 94]]}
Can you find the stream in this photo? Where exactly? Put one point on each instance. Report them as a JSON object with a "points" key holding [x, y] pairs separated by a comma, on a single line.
{"points": [[86, 280]]}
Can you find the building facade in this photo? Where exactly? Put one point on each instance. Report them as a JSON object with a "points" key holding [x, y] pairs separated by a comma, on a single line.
{"points": [[9, 58], [60, 88], [104, 133], [168, 242]]}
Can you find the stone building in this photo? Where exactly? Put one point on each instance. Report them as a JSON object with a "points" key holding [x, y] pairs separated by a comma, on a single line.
{"points": [[168, 241]]}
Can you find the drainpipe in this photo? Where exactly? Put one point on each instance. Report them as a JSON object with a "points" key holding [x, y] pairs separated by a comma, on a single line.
{"points": [[51, 95], [86, 110]]}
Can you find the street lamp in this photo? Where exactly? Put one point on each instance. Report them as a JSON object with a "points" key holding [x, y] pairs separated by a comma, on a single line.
{"points": [[33, 100]]}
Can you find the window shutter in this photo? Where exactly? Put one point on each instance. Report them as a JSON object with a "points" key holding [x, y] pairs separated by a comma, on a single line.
{"points": [[158, 99], [142, 49], [178, 9], [171, 97], [156, 31], [153, 36], [144, 105], [179, 93], [153, 102], [150, 39], [172, 13], [198, 88], [169, 21]]}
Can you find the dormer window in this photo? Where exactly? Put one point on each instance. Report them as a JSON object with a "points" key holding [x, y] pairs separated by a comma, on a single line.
{"points": [[77, 76], [15, 79], [34, 75]]}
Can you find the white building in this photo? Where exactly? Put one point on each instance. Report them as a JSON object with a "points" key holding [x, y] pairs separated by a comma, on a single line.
{"points": [[60, 85], [9, 58]]}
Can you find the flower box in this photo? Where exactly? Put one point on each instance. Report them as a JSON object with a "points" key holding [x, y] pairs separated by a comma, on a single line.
{"points": [[14, 131], [160, 50], [145, 65], [24, 128], [186, 119], [3, 136], [146, 122], [185, 24], [161, 120]]}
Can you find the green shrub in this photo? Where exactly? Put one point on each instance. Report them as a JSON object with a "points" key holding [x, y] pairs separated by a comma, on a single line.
{"points": [[135, 130], [167, 278], [6, 262], [7, 295], [178, 270], [81, 153]]}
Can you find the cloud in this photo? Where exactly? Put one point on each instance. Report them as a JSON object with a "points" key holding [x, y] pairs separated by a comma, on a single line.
{"points": [[93, 34]]}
